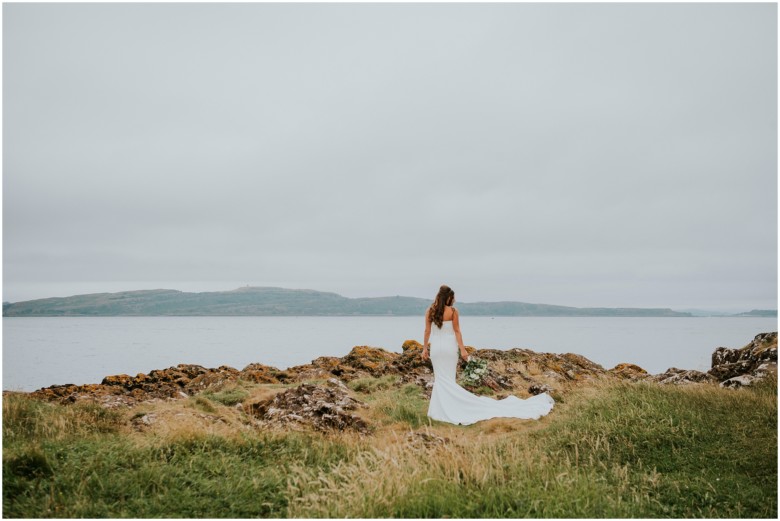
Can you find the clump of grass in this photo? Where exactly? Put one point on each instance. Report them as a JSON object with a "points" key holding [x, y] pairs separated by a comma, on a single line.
{"points": [[230, 395], [25, 419], [766, 387], [201, 403], [372, 384], [29, 463], [405, 404]]}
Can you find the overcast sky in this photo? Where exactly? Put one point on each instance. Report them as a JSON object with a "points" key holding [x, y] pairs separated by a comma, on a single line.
{"points": [[573, 154]]}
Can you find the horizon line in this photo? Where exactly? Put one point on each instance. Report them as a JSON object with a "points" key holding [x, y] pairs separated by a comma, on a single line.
{"points": [[678, 309]]}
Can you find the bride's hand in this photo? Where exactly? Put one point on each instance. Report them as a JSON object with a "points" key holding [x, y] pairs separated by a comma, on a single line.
{"points": [[425, 353]]}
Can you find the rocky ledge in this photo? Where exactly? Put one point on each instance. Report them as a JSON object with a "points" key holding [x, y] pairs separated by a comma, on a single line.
{"points": [[516, 371], [324, 407], [732, 367]]}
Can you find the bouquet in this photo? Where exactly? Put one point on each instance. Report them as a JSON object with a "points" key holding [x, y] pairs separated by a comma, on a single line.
{"points": [[475, 371]]}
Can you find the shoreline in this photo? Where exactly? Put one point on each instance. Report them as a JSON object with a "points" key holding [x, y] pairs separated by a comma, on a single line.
{"points": [[46, 351], [512, 371], [341, 437]]}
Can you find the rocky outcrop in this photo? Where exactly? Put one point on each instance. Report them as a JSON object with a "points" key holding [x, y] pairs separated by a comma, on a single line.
{"points": [[373, 361], [732, 368], [513, 370], [264, 374], [739, 381], [757, 360], [517, 371], [322, 407], [322, 368], [109, 396], [682, 377], [175, 382], [629, 372], [212, 379], [410, 364], [180, 381]]}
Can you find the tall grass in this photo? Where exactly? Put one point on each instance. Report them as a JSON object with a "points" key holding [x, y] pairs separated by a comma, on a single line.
{"points": [[611, 450], [229, 395], [26, 419], [617, 450], [371, 385], [405, 405], [83, 461]]}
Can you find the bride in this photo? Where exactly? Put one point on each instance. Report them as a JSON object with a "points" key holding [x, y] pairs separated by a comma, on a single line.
{"points": [[450, 402]]}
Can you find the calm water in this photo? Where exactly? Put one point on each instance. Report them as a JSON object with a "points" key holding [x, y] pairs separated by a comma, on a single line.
{"points": [[38, 352]]}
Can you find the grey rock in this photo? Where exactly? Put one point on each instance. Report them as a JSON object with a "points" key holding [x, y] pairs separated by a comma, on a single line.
{"points": [[553, 375], [682, 377], [757, 359], [765, 369], [322, 407], [143, 422], [739, 381], [425, 440], [539, 389], [338, 383]]}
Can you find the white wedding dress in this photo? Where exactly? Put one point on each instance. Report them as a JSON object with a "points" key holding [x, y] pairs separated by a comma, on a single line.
{"points": [[452, 403]]}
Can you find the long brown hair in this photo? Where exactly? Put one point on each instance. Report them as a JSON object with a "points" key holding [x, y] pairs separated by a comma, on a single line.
{"points": [[445, 297]]}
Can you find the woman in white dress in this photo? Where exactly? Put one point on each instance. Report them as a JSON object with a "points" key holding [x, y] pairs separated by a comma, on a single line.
{"points": [[450, 402]]}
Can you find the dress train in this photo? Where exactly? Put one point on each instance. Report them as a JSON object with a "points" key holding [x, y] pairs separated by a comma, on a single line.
{"points": [[452, 403]]}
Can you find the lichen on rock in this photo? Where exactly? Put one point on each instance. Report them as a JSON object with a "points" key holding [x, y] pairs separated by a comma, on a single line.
{"points": [[677, 376], [322, 407], [757, 359], [512, 370], [629, 372]]}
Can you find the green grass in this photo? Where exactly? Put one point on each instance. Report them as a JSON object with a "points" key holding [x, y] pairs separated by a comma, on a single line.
{"points": [[90, 469], [714, 451], [199, 477], [370, 385], [611, 450], [405, 405], [230, 395]]}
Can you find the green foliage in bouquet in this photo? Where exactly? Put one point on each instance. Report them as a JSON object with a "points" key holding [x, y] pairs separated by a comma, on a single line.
{"points": [[475, 371]]}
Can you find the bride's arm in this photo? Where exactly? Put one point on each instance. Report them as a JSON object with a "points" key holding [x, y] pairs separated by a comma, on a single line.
{"points": [[427, 336], [456, 327]]}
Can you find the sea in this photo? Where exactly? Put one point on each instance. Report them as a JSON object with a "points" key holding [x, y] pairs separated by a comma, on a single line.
{"points": [[39, 352]]}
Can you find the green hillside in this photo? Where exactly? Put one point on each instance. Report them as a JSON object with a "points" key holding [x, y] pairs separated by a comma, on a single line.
{"points": [[265, 301], [758, 313]]}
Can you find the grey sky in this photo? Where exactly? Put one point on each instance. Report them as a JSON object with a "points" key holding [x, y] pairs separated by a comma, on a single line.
{"points": [[575, 154]]}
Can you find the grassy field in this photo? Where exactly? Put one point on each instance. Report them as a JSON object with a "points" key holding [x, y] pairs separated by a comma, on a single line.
{"points": [[606, 450]]}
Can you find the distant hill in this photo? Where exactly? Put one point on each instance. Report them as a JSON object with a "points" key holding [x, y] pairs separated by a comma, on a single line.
{"points": [[265, 301], [758, 313]]}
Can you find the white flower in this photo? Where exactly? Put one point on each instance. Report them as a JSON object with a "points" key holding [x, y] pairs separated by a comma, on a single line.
{"points": [[475, 370]]}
